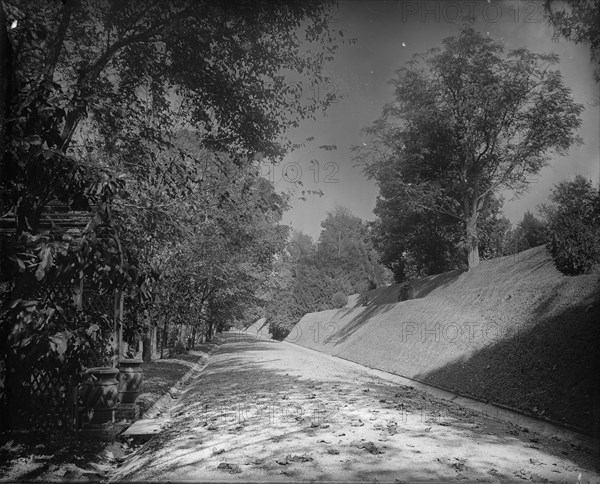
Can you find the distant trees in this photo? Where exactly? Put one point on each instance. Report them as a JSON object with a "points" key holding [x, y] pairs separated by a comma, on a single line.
{"points": [[317, 276], [466, 122], [574, 226], [529, 232]]}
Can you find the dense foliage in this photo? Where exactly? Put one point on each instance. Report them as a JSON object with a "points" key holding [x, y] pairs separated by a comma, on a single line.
{"points": [[318, 276], [148, 118], [573, 218], [578, 21]]}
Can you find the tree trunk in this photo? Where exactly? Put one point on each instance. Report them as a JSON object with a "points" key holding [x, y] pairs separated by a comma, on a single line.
{"points": [[5, 74], [163, 339], [209, 327], [472, 243], [154, 338]]}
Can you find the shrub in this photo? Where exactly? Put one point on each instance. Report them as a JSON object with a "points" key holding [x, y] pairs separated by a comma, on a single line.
{"points": [[574, 226], [574, 245], [339, 300]]}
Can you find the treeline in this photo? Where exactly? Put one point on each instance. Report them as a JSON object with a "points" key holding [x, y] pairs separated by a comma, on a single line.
{"points": [[318, 275]]}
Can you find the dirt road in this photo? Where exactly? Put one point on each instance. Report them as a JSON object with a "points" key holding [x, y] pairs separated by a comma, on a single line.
{"points": [[269, 411]]}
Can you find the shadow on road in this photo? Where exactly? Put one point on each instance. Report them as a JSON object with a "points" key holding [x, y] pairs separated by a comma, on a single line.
{"points": [[268, 411]]}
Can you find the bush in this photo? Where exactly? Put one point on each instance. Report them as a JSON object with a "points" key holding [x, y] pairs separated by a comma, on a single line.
{"points": [[339, 300], [574, 226], [280, 329], [574, 245]]}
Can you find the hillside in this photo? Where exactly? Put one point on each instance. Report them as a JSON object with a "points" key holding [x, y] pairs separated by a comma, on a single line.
{"points": [[259, 328], [513, 331]]}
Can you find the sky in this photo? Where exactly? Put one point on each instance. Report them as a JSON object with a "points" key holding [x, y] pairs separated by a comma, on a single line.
{"points": [[388, 33]]}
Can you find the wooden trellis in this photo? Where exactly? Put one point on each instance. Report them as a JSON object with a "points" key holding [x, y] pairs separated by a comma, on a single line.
{"points": [[45, 401], [43, 398]]}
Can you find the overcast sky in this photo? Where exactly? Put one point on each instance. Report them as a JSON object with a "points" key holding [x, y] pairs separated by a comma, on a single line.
{"points": [[389, 33]]}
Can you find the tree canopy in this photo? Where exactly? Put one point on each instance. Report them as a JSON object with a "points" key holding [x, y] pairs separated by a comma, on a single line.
{"points": [[147, 119], [468, 121]]}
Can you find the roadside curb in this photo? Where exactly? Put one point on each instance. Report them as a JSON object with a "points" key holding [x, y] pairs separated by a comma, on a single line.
{"points": [[165, 402]]}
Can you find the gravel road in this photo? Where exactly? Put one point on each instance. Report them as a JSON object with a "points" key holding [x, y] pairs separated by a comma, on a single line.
{"points": [[269, 411]]}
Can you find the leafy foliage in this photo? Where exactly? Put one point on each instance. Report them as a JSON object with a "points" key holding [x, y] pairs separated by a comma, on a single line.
{"points": [[467, 121], [318, 276], [97, 105], [574, 226], [579, 21]]}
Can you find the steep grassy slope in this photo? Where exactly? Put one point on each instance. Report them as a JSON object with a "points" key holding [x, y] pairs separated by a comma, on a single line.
{"points": [[513, 331], [259, 328]]}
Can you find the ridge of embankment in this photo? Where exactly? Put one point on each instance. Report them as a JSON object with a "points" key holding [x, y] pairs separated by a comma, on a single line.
{"points": [[259, 328], [513, 331]]}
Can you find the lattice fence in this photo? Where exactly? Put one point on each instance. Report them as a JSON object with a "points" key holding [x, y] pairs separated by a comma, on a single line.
{"points": [[44, 400]]}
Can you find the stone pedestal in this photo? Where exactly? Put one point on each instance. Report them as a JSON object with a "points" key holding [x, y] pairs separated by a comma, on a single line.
{"points": [[102, 432], [127, 411]]}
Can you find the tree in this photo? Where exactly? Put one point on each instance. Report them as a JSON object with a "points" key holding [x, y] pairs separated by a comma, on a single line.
{"points": [[469, 121], [345, 248], [92, 96], [315, 277], [578, 21], [533, 230], [76, 66], [573, 218], [413, 242]]}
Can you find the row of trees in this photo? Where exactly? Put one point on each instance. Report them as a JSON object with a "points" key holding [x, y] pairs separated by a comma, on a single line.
{"points": [[152, 116]]}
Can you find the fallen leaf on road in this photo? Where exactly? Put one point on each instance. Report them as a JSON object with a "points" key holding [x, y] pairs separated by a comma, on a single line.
{"points": [[522, 474], [298, 458], [371, 448], [61, 471], [229, 467]]}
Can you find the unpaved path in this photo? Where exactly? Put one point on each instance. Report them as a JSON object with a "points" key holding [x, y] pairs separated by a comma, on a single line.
{"points": [[268, 411]]}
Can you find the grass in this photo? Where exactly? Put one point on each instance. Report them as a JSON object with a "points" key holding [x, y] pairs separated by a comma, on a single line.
{"points": [[161, 374]]}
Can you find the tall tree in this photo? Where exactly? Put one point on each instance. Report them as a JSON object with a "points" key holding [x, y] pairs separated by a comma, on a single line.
{"points": [[467, 122]]}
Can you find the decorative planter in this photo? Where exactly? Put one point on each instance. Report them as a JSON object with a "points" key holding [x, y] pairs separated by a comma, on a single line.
{"points": [[99, 395], [130, 380]]}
